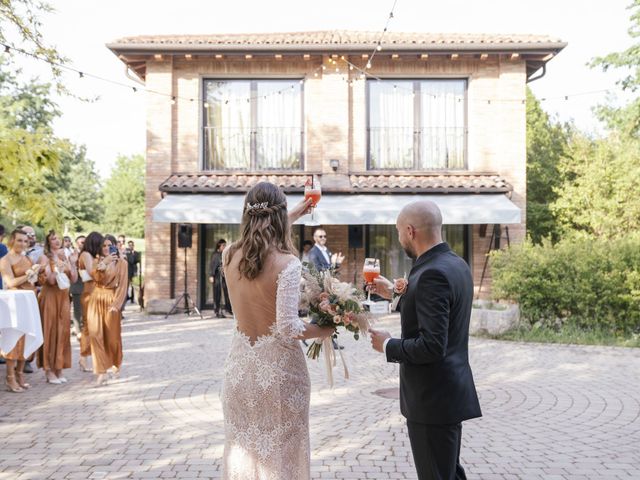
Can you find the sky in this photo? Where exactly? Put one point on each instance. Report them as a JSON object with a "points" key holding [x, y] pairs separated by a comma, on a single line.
{"points": [[115, 123]]}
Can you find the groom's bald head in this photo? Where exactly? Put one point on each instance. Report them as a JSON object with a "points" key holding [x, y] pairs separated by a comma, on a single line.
{"points": [[419, 226], [424, 215]]}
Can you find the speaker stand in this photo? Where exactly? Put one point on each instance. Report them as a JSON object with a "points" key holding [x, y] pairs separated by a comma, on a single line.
{"points": [[189, 304]]}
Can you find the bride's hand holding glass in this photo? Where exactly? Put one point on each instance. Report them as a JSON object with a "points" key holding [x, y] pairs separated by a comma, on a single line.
{"points": [[304, 207]]}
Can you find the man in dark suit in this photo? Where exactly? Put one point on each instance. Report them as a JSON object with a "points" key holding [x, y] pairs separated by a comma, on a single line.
{"points": [[133, 261], [216, 278], [321, 256], [437, 391]]}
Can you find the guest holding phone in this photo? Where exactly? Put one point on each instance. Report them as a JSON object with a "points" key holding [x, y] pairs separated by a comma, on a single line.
{"points": [[55, 275], [104, 316], [92, 248]]}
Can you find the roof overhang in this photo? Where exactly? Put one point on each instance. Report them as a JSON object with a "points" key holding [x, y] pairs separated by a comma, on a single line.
{"points": [[136, 51], [459, 209]]}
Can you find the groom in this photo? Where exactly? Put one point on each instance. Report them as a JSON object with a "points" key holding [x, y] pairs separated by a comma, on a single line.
{"points": [[436, 385]]}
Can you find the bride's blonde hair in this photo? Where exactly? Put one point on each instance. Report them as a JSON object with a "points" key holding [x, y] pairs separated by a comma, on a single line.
{"points": [[265, 227]]}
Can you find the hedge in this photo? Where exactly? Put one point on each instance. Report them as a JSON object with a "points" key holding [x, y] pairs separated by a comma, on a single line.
{"points": [[593, 283]]}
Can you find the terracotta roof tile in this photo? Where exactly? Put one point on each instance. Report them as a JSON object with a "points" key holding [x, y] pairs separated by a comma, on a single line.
{"points": [[337, 39], [357, 183]]}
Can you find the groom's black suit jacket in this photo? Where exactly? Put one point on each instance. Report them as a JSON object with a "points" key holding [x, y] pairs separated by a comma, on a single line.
{"points": [[436, 384]]}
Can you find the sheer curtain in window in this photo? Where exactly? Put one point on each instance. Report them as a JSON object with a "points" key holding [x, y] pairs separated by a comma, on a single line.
{"points": [[279, 124], [391, 124], [442, 125], [227, 125]]}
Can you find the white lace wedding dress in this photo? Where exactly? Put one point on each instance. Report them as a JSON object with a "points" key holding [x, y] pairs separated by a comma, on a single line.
{"points": [[265, 396]]}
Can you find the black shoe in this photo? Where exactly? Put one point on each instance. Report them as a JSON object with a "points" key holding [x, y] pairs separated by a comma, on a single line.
{"points": [[2, 360], [220, 315], [27, 368]]}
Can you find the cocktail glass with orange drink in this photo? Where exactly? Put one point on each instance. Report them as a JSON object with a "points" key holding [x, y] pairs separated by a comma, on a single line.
{"points": [[370, 271], [313, 190]]}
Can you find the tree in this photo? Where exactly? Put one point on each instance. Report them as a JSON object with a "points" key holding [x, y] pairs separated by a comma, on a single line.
{"points": [[123, 197], [628, 117], [546, 144], [28, 150], [77, 189], [599, 196], [20, 21], [602, 176]]}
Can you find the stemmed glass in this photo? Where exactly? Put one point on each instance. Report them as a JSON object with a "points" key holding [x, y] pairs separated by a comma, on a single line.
{"points": [[370, 271], [313, 190]]}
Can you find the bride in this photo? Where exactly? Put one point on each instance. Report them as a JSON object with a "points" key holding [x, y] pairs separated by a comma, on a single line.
{"points": [[266, 389]]}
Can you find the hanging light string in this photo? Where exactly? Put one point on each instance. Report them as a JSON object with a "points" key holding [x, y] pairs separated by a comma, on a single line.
{"points": [[314, 73], [378, 47]]}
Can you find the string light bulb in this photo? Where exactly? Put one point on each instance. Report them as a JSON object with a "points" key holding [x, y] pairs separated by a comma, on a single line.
{"points": [[368, 64], [379, 47]]}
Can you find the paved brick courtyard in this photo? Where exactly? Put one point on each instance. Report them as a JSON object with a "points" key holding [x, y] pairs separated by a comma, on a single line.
{"points": [[551, 412]]}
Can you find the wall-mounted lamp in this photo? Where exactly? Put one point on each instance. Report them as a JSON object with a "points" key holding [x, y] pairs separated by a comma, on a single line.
{"points": [[334, 164]]}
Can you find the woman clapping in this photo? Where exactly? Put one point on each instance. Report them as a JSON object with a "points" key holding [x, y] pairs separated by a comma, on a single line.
{"points": [[56, 273], [103, 314]]}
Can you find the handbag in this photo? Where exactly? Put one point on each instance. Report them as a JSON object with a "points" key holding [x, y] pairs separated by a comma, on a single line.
{"points": [[84, 275], [62, 280]]}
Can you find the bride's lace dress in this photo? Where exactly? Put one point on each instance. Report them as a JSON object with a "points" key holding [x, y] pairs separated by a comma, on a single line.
{"points": [[265, 397]]}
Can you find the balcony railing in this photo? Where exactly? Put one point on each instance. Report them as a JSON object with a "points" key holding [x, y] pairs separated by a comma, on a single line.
{"points": [[264, 148], [405, 148]]}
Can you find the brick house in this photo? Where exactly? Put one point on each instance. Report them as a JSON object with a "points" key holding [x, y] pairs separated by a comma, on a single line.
{"points": [[437, 116]]}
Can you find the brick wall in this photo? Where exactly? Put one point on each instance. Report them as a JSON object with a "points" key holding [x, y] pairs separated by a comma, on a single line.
{"points": [[335, 125]]}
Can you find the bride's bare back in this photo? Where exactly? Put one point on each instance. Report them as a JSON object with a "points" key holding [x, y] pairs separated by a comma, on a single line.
{"points": [[255, 301]]}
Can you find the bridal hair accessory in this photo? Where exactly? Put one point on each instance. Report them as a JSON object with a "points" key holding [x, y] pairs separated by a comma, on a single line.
{"points": [[262, 209]]}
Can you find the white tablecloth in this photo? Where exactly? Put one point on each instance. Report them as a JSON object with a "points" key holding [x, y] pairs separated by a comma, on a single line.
{"points": [[19, 315]]}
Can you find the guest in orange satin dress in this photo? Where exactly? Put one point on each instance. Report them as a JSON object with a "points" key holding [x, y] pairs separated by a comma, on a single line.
{"points": [[92, 249], [104, 310], [18, 273], [55, 310]]}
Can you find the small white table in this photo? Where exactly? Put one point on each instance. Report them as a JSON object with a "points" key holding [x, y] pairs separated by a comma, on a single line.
{"points": [[20, 315]]}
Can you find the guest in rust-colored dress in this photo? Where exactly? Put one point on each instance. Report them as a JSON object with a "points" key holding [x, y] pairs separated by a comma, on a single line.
{"points": [[104, 310], [92, 249], [18, 273], [55, 310]]}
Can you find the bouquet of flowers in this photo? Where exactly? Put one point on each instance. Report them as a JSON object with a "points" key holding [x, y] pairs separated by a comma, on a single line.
{"points": [[331, 302]]}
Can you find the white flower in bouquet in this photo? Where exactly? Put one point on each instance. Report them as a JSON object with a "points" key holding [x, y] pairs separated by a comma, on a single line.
{"points": [[344, 291]]}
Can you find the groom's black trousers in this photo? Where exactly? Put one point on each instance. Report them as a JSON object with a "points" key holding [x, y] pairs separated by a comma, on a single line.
{"points": [[436, 451]]}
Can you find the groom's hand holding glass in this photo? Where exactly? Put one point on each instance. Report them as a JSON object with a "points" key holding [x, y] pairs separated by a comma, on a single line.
{"points": [[384, 287], [381, 286]]}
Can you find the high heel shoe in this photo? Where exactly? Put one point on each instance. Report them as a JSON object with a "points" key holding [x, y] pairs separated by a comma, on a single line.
{"points": [[101, 381], [11, 379], [52, 379], [24, 385], [82, 365]]}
